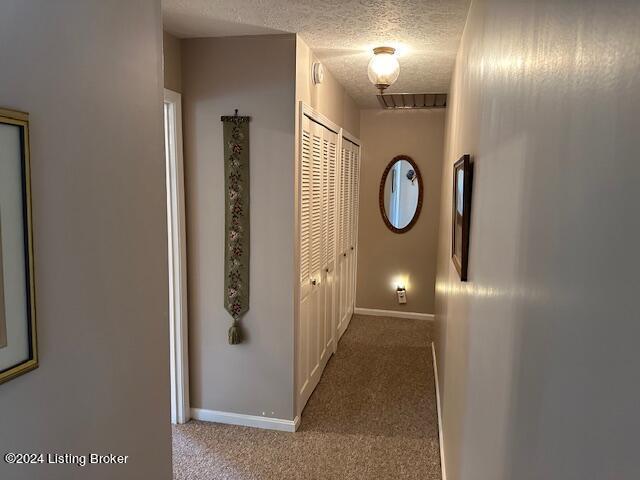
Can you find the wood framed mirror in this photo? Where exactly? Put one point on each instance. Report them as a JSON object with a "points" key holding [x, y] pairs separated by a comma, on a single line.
{"points": [[401, 192]]}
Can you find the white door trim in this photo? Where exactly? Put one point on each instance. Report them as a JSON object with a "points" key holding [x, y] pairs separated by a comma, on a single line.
{"points": [[180, 412]]}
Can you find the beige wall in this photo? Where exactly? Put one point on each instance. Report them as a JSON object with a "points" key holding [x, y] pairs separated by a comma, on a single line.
{"points": [[538, 352], [172, 62], [258, 79], [329, 98], [382, 254], [94, 96]]}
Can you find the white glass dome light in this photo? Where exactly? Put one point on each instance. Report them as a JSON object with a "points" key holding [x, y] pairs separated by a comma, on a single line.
{"points": [[383, 68]]}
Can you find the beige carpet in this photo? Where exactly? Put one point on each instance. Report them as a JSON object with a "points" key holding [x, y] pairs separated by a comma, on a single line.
{"points": [[372, 416]]}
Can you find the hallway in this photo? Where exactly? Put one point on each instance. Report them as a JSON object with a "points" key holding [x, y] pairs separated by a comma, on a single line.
{"points": [[372, 416]]}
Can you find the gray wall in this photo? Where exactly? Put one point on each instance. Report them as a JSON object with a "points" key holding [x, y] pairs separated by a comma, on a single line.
{"points": [[172, 62], [329, 97], [89, 73], [382, 254], [538, 352], [256, 75]]}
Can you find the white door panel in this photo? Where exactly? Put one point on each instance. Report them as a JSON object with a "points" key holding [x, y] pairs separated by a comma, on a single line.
{"points": [[327, 173]]}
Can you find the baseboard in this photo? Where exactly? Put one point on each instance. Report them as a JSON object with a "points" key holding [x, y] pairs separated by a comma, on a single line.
{"points": [[393, 313], [443, 465], [255, 421]]}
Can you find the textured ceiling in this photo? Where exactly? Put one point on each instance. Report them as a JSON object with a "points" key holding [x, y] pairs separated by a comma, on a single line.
{"points": [[342, 33]]}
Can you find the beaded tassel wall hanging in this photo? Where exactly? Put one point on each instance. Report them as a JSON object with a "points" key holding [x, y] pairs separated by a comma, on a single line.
{"points": [[236, 251]]}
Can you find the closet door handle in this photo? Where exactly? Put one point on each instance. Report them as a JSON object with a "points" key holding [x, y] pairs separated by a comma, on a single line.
{"points": [[326, 270], [344, 254], [314, 282], [351, 248]]}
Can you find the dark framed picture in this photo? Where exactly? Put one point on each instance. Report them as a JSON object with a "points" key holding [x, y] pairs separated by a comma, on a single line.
{"points": [[18, 346], [462, 186]]}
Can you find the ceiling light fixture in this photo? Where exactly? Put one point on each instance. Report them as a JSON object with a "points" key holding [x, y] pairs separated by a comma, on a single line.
{"points": [[383, 68]]}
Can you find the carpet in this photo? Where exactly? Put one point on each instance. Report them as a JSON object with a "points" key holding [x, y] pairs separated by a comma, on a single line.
{"points": [[372, 416]]}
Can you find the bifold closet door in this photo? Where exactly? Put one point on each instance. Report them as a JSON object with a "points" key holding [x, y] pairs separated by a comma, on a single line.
{"points": [[340, 262], [348, 213], [355, 198], [317, 252], [342, 258], [350, 236], [330, 151], [307, 289]]}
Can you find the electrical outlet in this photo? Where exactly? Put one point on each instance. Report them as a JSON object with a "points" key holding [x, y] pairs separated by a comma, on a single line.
{"points": [[402, 295]]}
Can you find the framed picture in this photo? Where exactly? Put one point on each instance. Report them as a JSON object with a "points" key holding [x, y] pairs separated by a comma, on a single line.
{"points": [[462, 185], [3, 320], [18, 347]]}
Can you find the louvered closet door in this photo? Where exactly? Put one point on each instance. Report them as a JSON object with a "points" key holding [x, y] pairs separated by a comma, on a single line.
{"points": [[356, 209], [342, 241], [317, 253], [306, 287], [347, 236], [315, 249], [310, 256], [354, 223], [350, 246], [349, 178], [327, 205], [330, 149]]}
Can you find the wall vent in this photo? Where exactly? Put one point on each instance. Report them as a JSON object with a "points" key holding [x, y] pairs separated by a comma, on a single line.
{"points": [[412, 100]]}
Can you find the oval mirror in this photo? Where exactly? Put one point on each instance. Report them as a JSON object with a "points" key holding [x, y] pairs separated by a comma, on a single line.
{"points": [[401, 194]]}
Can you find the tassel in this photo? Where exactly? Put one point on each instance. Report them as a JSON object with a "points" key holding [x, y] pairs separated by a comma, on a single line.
{"points": [[235, 336]]}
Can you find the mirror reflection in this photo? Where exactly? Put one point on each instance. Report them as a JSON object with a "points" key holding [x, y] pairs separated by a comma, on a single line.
{"points": [[402, 193], [459, 195]]}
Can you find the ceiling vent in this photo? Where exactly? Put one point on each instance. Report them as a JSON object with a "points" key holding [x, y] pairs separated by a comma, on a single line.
{"points": [[412, 100]]}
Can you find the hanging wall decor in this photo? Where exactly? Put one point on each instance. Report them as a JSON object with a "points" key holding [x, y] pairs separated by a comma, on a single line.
{"points": [[18, 346], [236, 251], [461, 214]]}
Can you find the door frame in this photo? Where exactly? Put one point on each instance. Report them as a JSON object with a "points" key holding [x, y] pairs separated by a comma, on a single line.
{"points": [[177, 259]]}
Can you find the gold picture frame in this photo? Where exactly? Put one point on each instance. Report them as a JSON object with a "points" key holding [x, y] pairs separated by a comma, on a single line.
{"points": [[30, 361]]}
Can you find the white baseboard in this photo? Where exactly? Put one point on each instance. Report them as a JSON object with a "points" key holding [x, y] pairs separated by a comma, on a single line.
{"points": [[443, 465], [393, 313], [255, 421]]}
